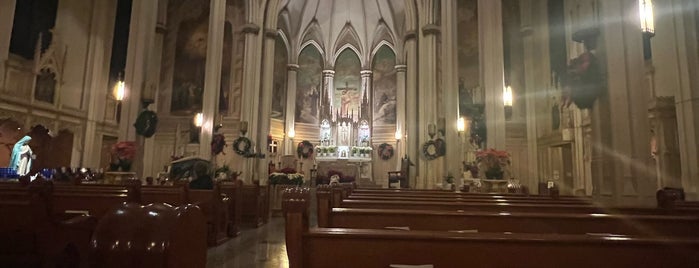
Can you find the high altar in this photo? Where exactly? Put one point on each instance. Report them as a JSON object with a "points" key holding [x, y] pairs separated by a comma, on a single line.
{"points": [[345, 135]]}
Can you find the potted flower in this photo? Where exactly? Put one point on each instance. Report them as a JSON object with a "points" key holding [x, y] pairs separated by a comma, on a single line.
{"points": [[493, 163], [324, 150], [332, 150], [123, 153], [367, 151], [355, 151]]}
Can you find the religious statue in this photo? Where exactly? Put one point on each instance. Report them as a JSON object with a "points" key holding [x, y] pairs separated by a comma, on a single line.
{"points": [[22, 156]]}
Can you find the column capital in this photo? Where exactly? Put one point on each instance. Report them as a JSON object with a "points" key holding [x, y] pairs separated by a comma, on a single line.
{"points": [[271, 33], [250, 28], [292, 67], [410, 35], [327, 73], [401, 68], [431, 29], [365, 73]]}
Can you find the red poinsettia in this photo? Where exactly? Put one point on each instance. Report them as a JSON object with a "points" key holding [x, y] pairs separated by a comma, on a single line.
{"points": [[124, 150], [492, 159]]}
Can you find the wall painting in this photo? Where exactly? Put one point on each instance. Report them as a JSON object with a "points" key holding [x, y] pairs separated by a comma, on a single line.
{"points": [[308, 84], [384, 86], [348, 93]]}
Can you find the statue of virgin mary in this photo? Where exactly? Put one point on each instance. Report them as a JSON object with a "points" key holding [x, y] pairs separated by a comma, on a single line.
{"points": [[21, 159]]}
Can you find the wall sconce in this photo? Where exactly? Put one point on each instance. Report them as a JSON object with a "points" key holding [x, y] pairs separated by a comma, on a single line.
{"points": [[397, 135], [431, 130], [243, 127], [645, 9], [507, 101], [460, 125], [119, 92], [195, 130], [291, 134]]}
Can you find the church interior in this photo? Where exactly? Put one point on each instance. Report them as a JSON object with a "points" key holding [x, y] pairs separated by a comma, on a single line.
{"points": [[363, 133]]}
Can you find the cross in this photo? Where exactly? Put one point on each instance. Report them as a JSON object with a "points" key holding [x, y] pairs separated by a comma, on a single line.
{"points": [[273, 147]]}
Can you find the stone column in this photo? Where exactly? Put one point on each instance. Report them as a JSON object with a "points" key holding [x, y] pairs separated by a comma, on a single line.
{"points": [[212, 78], [675, 59], [411, 137], [290, 113], [366, 76], [492, 69], [400, 111], [625, 66], [450, 83], [141, 39], [251, 89], [7, 17], [152, 86], [96, 76], [429, 171], [530, 88], [666, 149], [265, 108]]}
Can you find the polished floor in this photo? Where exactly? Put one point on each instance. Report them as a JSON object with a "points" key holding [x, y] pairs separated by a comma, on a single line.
{"points": [[262, 247]]}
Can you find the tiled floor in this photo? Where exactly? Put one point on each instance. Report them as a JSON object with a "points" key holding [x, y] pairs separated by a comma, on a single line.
{"points": [[254, 248], [262, 247]]}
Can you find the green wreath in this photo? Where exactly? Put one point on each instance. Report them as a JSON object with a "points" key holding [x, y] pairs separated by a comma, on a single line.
{"points": [[430, 150], [245, 151], [304, 149], [386, 151], [146, 123]]}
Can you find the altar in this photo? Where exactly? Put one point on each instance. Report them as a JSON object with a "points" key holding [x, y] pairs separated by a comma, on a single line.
{"points": [[345, 140]]}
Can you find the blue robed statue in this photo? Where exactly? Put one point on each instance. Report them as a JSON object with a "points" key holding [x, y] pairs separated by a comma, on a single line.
{"points": [[21, 159]]}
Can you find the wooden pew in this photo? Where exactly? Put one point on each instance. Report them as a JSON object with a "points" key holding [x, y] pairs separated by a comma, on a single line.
{"points": [[214, 206], [31, 235], [255, 204], [233, 190], [156, 235], [93, 199], [468, 199], [523, 222], [323, 247]]}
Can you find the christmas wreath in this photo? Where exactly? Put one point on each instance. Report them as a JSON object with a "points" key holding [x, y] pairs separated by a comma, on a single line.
{"points": [[218, 141], [245, 151], [386, 151], [146, 123], [304, 149], [430, 150], [584, 80]]}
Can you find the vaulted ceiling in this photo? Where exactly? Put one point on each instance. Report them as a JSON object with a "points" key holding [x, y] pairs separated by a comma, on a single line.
{"points": [[333, 25]]}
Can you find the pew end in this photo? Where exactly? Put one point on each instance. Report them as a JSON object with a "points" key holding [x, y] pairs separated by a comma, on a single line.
{"points": [[156, 235]]}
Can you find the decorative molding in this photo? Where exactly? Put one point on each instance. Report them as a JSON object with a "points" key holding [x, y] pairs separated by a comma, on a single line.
{"points": [[526, 31], [431, 29], [250, 28], [401, 68], [409, 35], [271, 33], [292, 67]]}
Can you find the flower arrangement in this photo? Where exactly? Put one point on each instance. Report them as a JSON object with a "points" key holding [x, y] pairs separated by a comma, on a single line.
{"points": [[286, 178], [493, 162], [123, 153]]}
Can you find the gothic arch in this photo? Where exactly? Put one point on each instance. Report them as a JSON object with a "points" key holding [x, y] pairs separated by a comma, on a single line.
{"points": [[312, 35], [348, 38], [378, 46]]}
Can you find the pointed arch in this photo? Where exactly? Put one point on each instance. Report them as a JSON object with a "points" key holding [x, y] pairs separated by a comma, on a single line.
{"points": [[384, 85], [380, 45], [382, 35], [308, 84], [348, 37], [313, 34]]}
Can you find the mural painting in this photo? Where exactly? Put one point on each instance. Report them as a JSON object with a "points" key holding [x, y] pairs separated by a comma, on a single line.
{"points": [[190, 64], [280, 74], [469, 74], [308, 85], [235, 15], [347, 95], [384, 86]]}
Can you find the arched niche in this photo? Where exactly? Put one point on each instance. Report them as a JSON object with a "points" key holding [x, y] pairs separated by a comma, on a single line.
{"points": [[384, 86], [308, 85], [347, 95], [279, 89]]}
